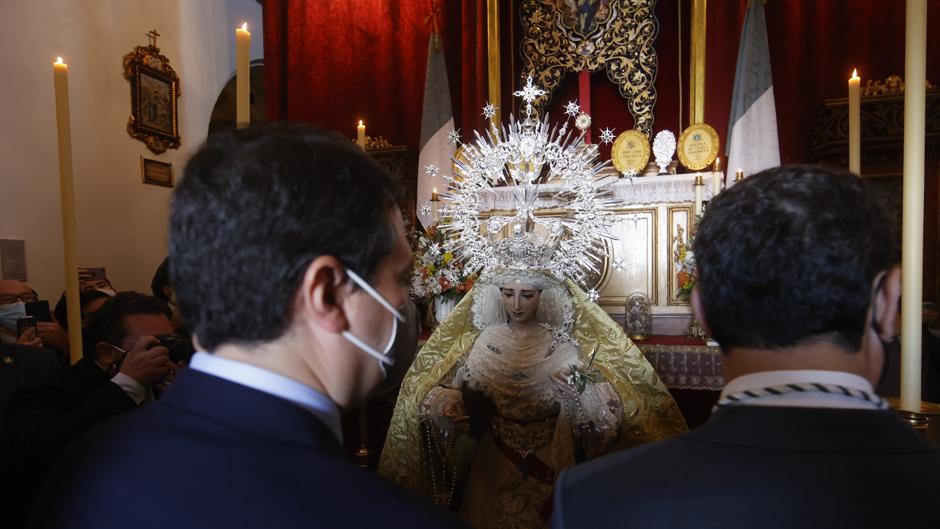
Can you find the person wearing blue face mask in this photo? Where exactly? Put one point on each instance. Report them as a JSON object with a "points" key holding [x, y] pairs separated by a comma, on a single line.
{"points": [[14, 295], [290, 267]]}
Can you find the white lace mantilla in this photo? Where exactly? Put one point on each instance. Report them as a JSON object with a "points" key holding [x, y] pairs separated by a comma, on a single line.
{"points": [[642, 190]]}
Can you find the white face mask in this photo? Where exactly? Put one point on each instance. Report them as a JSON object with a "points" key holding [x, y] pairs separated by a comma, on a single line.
{"points": [[382, 357]]}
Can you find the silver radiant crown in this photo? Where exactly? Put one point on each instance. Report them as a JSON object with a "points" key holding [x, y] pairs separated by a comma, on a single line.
{"points": [[526, 155]]}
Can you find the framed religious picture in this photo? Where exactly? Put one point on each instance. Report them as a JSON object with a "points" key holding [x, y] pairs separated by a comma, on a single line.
{"points": [[155, 88], [156, 173]]}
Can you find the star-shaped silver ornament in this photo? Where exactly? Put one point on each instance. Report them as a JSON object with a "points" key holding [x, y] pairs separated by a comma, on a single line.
{"points": [[607, 136], [529, 92], [426, 209], [619, 265], [454, 136], [434, 249], [431, 169], [572, 108], [593, 295], [489, 110]]}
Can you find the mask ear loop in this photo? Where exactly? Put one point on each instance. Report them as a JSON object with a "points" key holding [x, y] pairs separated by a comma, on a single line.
{"points": [[383, 359], [875, 325], [375, 294]]}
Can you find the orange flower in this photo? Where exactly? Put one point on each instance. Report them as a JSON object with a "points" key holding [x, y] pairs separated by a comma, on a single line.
{"points": [[683, 278]]}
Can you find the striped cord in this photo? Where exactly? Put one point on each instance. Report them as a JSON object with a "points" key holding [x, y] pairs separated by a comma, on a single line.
{"points": [[740, 397]]}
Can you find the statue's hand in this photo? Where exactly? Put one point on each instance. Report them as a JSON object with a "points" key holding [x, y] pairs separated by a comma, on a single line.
{"points": [[562, 388], [445, 407]]}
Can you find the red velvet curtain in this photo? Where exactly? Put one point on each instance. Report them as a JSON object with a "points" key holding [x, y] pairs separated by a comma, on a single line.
{"points": [[334, 62], [814, 44]]}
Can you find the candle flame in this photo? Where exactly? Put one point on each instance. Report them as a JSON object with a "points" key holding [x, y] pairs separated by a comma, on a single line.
{"points": [[58, 60], [245, 26], [854, 73], [434, 192], [360, 122]]}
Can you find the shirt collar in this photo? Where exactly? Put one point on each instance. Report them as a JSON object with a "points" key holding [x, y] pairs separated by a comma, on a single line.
{"points": [[272, 383], [764, 379]]}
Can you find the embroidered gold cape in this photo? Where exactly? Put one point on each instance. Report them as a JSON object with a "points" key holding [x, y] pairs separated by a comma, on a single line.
{"points": [[649, 412]]}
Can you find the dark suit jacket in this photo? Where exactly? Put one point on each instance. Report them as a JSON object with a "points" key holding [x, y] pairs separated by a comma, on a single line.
{"points": [[41, 421], [23, 366], [212, 453], [763, 467]]}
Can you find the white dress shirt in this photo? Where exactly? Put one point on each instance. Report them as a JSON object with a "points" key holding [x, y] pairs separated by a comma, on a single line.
{"points": [[763, 379], [135, 390], [272, 383]]}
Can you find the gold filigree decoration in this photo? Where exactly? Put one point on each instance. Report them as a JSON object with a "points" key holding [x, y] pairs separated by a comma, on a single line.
{"points": [[615, 35], [376, 143], [893, 85], [155, 88]]}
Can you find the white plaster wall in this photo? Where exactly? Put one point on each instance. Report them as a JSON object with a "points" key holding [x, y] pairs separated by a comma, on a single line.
{"points": [[121, 222]]}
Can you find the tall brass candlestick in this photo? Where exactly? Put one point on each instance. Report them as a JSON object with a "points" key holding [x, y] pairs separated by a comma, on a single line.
{"points": [[67, 197], [242, 77]]}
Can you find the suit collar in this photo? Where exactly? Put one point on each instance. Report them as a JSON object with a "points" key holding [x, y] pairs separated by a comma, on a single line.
{"points": [[89, 370], [811, 429], [245, 408]]}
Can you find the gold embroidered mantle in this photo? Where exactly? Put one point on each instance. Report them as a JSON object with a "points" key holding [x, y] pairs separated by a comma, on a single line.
{"points": [[648, 411]]}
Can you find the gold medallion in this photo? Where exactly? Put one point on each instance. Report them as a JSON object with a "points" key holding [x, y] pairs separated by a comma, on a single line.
{"points": [[698, 147], [631, 152]]}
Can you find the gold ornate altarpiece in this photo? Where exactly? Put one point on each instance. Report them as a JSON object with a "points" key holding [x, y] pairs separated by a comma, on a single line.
{"points": [[613, 35]]}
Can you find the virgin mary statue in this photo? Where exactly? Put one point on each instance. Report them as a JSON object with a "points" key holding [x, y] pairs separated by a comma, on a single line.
{"points": [[527, 376]]}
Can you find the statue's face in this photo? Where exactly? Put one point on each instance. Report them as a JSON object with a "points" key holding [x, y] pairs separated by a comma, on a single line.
{"points": [[520, 300]]}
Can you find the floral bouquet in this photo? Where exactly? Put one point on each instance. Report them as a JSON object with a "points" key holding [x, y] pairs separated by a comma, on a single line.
{"points": [[436, 273], [684, 259]]}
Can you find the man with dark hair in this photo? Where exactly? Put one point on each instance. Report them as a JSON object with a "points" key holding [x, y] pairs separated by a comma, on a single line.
{"points": [[798, 283], [290, 264], [163, 289], [121, 362]]}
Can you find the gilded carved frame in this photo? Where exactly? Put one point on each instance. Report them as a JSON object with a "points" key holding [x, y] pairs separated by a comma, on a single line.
{"points": [[617, 36], [155, 88]]}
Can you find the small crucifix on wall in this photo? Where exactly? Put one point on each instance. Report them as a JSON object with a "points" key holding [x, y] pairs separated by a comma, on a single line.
{"points": [[152, 37]]}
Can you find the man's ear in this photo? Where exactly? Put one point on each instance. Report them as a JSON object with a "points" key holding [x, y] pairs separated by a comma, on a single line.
{"points": [[105, 354], [700, 310], [886, 303], [323, 294]]}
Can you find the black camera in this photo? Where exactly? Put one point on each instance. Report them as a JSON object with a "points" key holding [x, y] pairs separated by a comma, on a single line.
{"points": [[181, 349]]}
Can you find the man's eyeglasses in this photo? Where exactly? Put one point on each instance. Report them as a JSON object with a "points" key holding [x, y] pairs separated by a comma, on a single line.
{"points": [[28, 297]]}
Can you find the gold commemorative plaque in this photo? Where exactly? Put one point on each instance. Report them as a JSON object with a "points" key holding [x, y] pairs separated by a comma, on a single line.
{"points": [[698, 147], [631, 152]]}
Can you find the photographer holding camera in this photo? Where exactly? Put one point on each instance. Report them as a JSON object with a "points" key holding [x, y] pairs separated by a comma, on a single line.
{"points": [[124, 360]]}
